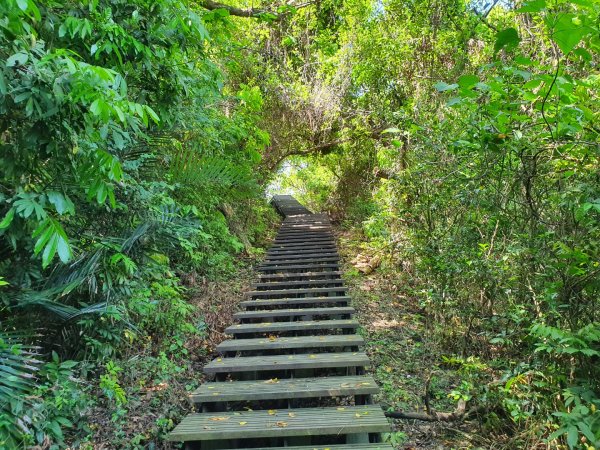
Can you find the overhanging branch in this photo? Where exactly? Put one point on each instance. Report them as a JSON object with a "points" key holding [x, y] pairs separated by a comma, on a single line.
{"points": [[239, 12], [250, 12]]}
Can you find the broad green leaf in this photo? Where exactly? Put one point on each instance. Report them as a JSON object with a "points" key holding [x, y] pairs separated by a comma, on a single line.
{"points": [[572, 436], [467, 81], [391, 130], [119, 112], [8, 218], [508, 38], [95, 107], [22, 4], [51, 238], [583, 54], [64, 250], [49, 250], [442, 87], [32, 7], [587, 431], [454, 101], [61, 203], [2, 84], [152, 114], [27, 204], [45, 234], [533, 6], [567, 31], [18, 59], [101, 193], [558, 433]]}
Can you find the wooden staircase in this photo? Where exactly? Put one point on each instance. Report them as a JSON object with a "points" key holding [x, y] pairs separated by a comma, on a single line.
{"points": [[293, 376]]}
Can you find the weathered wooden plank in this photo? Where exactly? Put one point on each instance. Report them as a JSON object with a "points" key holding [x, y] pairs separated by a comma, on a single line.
{"points": [[300, 283], [300, 325], [379, 446], [301, 256], [343, 299], [305, 275], [300, 251], [317, 262], [290, 239], [304, 248], [272, 313], [281, 423], [306, 226], [274, 389], [297, 291], [286, 362], [299, 267], [303, 235], [300, 259], [304, 266], [285, 343], [305, 242]]}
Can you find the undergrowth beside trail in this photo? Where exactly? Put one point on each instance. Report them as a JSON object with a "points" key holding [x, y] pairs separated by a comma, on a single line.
{"points": [[157, 387], [406, 348]]}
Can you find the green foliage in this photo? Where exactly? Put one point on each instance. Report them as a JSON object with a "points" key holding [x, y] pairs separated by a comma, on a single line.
{"points": [[466, 149], [16, 383], [109, 383], [119, 147]]}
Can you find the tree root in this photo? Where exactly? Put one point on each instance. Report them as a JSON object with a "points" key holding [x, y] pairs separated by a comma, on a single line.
{"points": [[459, 414]]}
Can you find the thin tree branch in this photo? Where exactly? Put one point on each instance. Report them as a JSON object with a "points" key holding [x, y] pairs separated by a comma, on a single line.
{"points": [[546, 98], [249, 12]]}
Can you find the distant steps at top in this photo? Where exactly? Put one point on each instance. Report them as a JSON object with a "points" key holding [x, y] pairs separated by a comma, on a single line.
{"points": [[287, 206]]}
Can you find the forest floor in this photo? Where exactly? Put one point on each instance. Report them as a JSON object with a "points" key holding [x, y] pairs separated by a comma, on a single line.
{"points": [[157, 387], [402, 351]]}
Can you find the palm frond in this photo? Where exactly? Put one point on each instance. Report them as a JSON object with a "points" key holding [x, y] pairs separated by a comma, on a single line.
{"points": [[18, 365], [47, 301]]}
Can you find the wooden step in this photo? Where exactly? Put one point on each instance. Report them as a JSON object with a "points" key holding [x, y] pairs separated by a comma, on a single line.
{"points": [[299, 245], [281, 423], [285, 343], [300, 325], [300, 283], [342, 300], [299, 267], [292, 246], [300, 260], [286, 362], [303, 252], [305, 230], [272, 313], [303, 240], [297, 291], [305, 275], [380, 446], [298, 257], [321, 237], [274, 389]]}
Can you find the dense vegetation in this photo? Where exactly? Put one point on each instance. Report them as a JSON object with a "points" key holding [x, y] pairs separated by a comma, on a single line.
{"points": [[125, 165], [137, 139]]}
